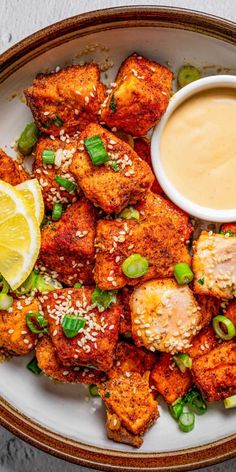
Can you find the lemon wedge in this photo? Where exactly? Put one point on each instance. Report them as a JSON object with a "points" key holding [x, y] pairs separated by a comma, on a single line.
{"points": [[19, 236], [31, 192]]}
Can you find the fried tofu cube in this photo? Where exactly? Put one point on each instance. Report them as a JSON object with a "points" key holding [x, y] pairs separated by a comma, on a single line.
{"points": [[109, 188], [67, 246], [156, 240], [143, 148], [12, 171], [210, 307], [214, 265], [165, 316], [202, 343], [130, 358], [118, 433], [50, 364], [169, 381], [140, 96], [95, 344], [130, 399], [215, 372], [46, 174], [67, 100], [15, 335], [125, 320], [156, 206]]}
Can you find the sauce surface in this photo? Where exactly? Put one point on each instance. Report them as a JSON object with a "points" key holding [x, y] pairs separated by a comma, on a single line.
{"points": [[198, 148]]}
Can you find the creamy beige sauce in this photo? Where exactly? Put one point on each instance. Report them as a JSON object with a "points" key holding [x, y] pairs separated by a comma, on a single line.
{"points": [[198, 148]]}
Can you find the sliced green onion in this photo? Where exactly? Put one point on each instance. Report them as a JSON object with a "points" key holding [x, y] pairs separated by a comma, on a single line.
{"points": [[183, 361], [196, 402], [56, 212], [67, 184], [48, 156], [43, 286], [78, 285], [187, 74], [112, 104], [36, 322], [103, 298], [29, 284], [6, 301], [186, 422], [58, 121], [72, 324], [28, 138], [135, 266], [228, 325], [129, 213], [33, 366], [5, 286], [93, 390], [176, 408], [201, 281], [115, 166], [230, 402], [229, 233], [96, 150], [183, 273]]}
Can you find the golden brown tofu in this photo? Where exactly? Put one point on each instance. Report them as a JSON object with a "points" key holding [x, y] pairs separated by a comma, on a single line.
{"points": [[165, 316], [143, 148], [154, 239], [15, 335], [118, 433], [169, 381], [129, 358], [229, 228], [215, 372], [67, 246], [202, 343], [109, 188], [52, 191], [140, 96], [210, 307], [125, 320], [230, 311], [214, 265], [12, 171], [129, 398], [95, 344], [156, 206], [66, 100], [51, 366]]}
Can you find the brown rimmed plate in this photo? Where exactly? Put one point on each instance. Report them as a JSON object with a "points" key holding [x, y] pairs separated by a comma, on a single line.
{"points": [[53, 417]]}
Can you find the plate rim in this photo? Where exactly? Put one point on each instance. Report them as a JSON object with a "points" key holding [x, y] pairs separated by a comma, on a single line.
{"points": [[17, 56]]}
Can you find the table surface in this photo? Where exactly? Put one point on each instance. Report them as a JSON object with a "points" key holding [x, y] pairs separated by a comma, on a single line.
{"points": [[19, 18]]}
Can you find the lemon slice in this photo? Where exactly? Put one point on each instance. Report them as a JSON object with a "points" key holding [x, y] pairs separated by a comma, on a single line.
{"points": [[19, 236], [31, 191]]}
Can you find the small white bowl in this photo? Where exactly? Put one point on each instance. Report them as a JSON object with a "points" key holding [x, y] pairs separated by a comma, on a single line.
{"points": [[204, 213]]}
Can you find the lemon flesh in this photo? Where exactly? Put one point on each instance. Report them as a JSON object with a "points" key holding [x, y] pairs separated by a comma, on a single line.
{"points": [[31, 192]]}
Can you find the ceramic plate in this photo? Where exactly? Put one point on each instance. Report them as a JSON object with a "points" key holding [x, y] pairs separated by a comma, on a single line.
{"points": [[60, 418]]}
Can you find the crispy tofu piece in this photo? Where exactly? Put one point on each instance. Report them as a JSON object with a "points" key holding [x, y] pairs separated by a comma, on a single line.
{"points": [[140, 96], [66, 100], [229, 228], [52, 191], [156, 206], [214, 265], [203, 343], [118, 433], [129, 358], [106, 188], [67, 246], [215, 372], [143, 148], [52, 367], [230, 311], [155, 239], [95, 344], [165, 316], [169, 381], [125, 320], [15, 335], [210, 307], [12, 171], [130, 399]]}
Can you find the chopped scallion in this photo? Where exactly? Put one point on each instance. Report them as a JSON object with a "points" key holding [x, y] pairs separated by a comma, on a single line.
{"points": [[187, 74], [58, 121], [56, 212], [183, 361], [36, 322], [28, 139], [229, 327], [96, 150], [135, 266], [129, 213], [67, 184], [183, 273], [103, 299], [230, 402], [6, 301], [72, 324], [93, 390], [186, 422], [78, 285], [33, 366], [48, 156]]}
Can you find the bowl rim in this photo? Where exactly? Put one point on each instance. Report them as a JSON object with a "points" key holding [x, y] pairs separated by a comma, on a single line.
{"points": [[10, 61], [192, 208]]}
